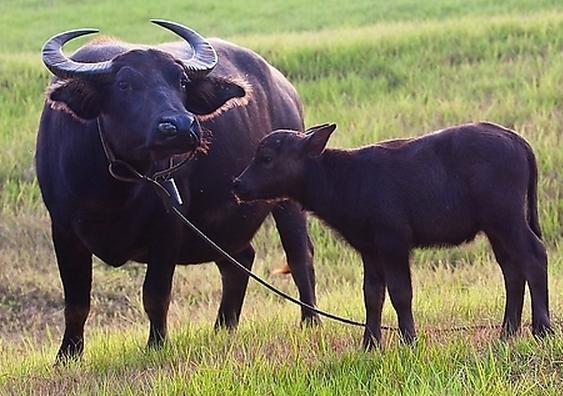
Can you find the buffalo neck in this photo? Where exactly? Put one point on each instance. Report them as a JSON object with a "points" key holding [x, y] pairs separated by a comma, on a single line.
{"points": [[85, 166]]}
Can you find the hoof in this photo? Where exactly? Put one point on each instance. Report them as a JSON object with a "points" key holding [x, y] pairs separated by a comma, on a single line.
{"points": [[542, 331], [311, 321], [371, 340], [409, 338], [225, 324], [508, 332], [70, 350], [369, 343], [156, 341]]}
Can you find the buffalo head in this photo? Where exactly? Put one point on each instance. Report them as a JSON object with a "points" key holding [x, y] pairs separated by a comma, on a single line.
{"points": [[146, 99]]}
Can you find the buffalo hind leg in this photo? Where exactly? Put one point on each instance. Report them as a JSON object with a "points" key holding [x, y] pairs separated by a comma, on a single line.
{"points": [[374, 296], [234, 282], [75, 268], [156, 300], [292, 228]]}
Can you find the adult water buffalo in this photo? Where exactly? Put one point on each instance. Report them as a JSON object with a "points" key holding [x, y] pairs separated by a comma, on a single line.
{"points": [[150, 106]]}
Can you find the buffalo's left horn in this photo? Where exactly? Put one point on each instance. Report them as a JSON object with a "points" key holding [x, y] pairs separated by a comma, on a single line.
{"points": [[64, 67], [204, 57]]}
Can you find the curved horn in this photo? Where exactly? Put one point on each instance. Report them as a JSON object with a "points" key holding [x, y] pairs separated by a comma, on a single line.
{"points": [[204, 57], [63, 67]]}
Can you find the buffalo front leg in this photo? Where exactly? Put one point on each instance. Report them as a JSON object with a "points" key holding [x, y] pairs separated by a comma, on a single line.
{"points": [[156, 300], [234, 282], [374, 296], [292, 227], [75, 268]]}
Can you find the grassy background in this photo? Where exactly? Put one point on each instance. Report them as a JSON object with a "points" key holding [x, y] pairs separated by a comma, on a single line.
{"points": [[380, 70]]}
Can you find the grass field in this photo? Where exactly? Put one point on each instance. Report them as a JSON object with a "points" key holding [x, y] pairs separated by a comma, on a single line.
{"points": [[380, 70]]}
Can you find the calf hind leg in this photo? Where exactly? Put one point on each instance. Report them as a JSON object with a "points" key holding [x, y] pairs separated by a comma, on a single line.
{"points": [[514, 283], [537, 282], [522, 256], [234, 282]]}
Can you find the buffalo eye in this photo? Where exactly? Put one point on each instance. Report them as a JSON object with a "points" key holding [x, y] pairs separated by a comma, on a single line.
{"points": [[124, 85]]}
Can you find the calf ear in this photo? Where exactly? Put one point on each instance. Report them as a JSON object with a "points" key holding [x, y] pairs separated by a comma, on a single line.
{"points": [[77, 97], [210, 96], [316, 139]]}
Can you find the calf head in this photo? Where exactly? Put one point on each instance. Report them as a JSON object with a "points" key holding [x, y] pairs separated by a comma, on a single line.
{"points": [[277, 169], [146, 100]]}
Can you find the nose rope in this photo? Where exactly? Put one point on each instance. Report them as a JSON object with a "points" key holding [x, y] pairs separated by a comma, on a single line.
{"points": [[164, 174]]}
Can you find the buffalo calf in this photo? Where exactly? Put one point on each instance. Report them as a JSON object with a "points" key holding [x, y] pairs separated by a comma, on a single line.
{"points": [[436, 190]]}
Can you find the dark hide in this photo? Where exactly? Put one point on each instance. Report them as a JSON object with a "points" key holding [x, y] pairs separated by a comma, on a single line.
{"points": [[440, 189], [92, 213]]}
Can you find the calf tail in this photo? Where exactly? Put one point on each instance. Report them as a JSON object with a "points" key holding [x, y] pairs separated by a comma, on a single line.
{"points": [[532, 197]]}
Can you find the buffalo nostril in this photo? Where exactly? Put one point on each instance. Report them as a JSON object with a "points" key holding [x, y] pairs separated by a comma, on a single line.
{"points": [[167, 128]]}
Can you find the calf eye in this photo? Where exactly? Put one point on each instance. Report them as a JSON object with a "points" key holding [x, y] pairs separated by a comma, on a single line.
{"points": [[265, 160], [184, 82], [123, 85]]}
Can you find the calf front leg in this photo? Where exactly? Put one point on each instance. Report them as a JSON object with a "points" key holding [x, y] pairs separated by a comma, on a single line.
{"points": [[395, 260], [374, 296], [156, 300], [75, 268], [292, 227]]}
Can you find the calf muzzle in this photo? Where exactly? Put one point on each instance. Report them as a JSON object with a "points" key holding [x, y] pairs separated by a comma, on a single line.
{"points": [[240, 190]]}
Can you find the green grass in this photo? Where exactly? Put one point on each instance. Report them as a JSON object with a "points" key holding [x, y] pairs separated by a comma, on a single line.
{"points": [[378, 69], [24, 23]]}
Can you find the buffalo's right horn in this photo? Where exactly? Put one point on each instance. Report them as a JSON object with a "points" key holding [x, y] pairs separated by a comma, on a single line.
{"points": [[204, 57], [63, 67]]}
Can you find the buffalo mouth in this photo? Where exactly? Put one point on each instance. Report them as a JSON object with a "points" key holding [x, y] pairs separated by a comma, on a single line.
{"points": [[186, 143], [163, 151], [172, 146]]}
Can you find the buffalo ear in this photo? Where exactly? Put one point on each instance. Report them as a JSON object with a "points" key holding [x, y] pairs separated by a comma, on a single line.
{"points": [[210, 96], [78, 97], [316, 139]]}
